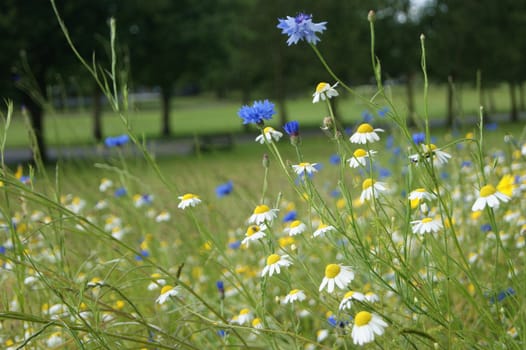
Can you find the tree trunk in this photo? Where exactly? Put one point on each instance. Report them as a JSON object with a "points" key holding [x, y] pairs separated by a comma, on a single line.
{"points": [[97, 113], [409, 85], [36, 117], [166, 98], [514, 114], [450, 103]]}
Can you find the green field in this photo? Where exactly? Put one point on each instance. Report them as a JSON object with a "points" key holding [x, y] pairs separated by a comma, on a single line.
{"points": [[206, 114]]}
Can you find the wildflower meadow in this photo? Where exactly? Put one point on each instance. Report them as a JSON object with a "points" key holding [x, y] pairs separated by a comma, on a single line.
{"points": [[372, 235]]}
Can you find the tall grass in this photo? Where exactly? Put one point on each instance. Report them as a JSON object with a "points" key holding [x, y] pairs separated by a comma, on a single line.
{"points": [[106, 257]]}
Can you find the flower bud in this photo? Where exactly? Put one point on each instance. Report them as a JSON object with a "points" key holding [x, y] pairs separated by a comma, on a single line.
{"points": [[266, 161]]}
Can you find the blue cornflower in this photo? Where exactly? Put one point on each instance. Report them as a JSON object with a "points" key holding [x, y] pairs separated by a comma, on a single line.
{"points": [[224, 189], [142, 254], [115, 141], [290, 216], [234, 245], [259, 111], [335, 159], [119, 192], [502, 295], [367, 117], [2, 249], [292, 128], [301, 27], [491, 126], [419, 137], [389, 143], [485, 228], [221, 289], [382, 112]]}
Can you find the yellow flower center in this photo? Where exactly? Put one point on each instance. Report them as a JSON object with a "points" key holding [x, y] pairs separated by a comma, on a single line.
{"points": [[188, 196], [304, 164], [332, 270], [256, 322], [166, 289], [252, 229], [295, 223], [487, 191], [321, 87], [362, 318], [365, 128], [348, 294], [431, 147], [426, 220], [268, 129], [155, 275], [272, 259], [421, 190], [294, 291], [260, 209], [367, 183], [359, 153], [244, 312], [322, 225]]}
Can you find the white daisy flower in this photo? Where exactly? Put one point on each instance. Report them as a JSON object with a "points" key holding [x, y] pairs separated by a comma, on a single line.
{"points": [[254, 233], [321, 335], [419, 195], [256, 323], [348, 299], [296, 227], [371, 188], [336, 274], [359, 158], [431, 151], [55, 340], [157, 282], [245, 316], [274, 264], [323, 229], [489, 196], [105, 184], [305, 168], [365, 133], [324, 91], [293, 296], [426, 225], [262, 213], [371, 297], [269, 134], [188, 200], [163, 216], [101, 204], [366, 326], [166, 292]]}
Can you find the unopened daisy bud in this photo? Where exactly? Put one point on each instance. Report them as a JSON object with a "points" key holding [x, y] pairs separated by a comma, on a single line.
{"points": [[266, 161], [422, 37], [328, 124], [371, 16]]}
